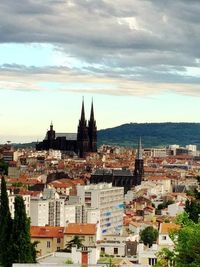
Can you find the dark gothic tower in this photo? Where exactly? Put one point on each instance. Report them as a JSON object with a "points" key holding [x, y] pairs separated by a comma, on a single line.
{"points": [[92, 131], [139, 168], [82, 135], [51, 134]]}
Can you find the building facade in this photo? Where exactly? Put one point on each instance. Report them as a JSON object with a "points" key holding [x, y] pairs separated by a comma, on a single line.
{"points": [[108, 201]]}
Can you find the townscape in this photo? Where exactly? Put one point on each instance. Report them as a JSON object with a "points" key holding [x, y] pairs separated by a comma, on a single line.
{"points": [[99, 133], [112, 206]]}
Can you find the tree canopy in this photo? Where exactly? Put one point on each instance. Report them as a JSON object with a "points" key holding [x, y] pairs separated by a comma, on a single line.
{"points": [[15, 241], [22, 247], [149, 235], [5, 226], [75, 241]]}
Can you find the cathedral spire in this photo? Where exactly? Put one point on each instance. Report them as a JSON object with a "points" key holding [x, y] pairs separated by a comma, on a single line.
{"points": [[92, 112], [139, 150], [83, 111]]}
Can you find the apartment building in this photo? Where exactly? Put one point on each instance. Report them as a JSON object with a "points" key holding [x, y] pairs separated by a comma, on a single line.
{"points": [[47, 212], [108, 201]]}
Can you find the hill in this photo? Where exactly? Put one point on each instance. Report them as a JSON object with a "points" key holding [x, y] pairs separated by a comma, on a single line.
{"points": [[152, 134]]}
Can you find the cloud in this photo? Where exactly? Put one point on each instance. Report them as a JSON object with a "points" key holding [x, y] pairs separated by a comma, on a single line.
{"points": [[139, 47], [62, 79]]}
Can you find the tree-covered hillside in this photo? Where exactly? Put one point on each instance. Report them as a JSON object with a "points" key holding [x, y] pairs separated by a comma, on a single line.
{"points": [[152, 134]]}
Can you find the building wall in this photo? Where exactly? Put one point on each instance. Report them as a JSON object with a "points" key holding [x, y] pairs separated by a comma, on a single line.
{"points": [[70, 213], [109, 200], [48, 245], [165, 241], [39, 212], [88, 240], [56, 212]]}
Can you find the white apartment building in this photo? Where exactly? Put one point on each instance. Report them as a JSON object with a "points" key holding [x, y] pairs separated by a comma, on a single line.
{"points": [[108, 200], [11, 199], [70, 213], [47, 212], [39, 212]]}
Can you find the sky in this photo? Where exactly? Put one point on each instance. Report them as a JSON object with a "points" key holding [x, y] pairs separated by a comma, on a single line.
{"points": [[138, 59]]}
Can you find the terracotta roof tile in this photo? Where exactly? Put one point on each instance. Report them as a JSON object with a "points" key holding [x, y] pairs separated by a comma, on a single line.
{"points": [[47, 231], [81, 228], [166, 228]]}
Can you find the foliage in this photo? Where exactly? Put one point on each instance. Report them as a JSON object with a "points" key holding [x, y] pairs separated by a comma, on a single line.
{"points": [[69, 261], [165, 258], [5, 226], [3, 167], [149, 235], [18, 184], [23, 251], [187, 246], [76, 241], [193, 209], [153, 134], [183, 219], [165, 204], [110, 264]]}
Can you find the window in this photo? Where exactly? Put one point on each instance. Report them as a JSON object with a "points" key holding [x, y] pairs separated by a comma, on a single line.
{"points": [[152, 261], [58, 240], [48, 244], [164, 237], [91, 238], [102, 250], [115, 251]]}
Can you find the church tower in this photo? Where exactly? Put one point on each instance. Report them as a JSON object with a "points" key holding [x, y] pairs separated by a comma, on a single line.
{"points": [[139, 165], [51, 134], [82, 135], [92, 131]]}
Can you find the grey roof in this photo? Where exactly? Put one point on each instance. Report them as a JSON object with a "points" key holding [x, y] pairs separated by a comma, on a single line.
{"points": [[114, 172], [102, 172], [69, 136], [122, 173]]}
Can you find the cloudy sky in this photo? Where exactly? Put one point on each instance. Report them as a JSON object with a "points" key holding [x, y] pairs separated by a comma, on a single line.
{"points": [[138, 59]]}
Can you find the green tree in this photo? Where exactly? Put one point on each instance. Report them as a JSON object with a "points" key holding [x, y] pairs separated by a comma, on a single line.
{"points": [[187, 246], [23, 251], [5, 227], [3, 167], [149, 235], [165, 258], [193, 209], [76, 241], [69, 261]]}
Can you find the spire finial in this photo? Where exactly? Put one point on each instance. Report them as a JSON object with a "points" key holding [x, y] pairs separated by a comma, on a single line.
{"points": [[92, 112], [139, 150], [83, 110]]}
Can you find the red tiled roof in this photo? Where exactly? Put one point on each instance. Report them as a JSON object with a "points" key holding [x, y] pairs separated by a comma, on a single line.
{"points": [[166, 228], [81, 228], [47, 231]]}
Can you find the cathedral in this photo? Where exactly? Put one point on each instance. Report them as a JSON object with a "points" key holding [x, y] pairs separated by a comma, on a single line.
{"points": [[124, 178], [84, 141]]}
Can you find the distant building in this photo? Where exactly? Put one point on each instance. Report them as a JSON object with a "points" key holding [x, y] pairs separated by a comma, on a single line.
{"points": [[139, 166], [124, 178], [84, 141]]}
